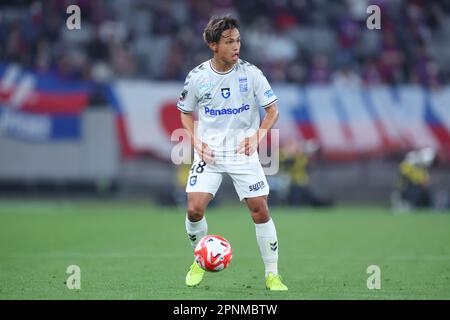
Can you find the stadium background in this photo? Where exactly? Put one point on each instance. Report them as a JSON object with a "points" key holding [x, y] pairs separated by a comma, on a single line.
{"points": [[86, 115]]}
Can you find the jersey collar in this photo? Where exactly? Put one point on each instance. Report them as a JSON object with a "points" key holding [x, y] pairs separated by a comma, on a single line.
{"points": [[222, 73]]}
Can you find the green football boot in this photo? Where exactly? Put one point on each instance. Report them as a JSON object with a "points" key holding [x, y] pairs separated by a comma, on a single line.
{"points": [[274, 283], [195, 275]]}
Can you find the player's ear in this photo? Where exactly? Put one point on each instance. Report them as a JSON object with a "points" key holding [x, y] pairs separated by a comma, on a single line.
{"points": [[213, 46]]}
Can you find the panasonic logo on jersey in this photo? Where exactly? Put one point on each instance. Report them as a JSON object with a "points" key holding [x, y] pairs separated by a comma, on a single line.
{"points": [[227, 111]]}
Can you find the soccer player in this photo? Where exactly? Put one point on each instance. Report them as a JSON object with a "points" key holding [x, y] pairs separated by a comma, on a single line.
{"points": [[228, 93]]}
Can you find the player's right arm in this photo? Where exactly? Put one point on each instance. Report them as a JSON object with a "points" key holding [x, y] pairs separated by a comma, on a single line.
{"points": [[202, 148], [186, 104]]}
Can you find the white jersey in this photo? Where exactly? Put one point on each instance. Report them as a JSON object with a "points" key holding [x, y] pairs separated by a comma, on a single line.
{"points": [[228, 103]]}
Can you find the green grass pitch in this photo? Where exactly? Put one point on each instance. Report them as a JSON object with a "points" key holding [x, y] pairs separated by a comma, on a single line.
{"points": [[132, 250]]}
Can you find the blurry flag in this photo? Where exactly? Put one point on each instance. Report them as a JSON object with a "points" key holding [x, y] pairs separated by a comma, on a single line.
{"points": [[346, 123], [350, 123], [146, 116], [40, 107]]}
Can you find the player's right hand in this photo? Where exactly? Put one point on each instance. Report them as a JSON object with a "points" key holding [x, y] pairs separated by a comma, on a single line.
{"points": [[205, 152]]}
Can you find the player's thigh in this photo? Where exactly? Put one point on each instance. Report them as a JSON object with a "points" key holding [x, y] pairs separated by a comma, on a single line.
{"points": [[249, 181]]}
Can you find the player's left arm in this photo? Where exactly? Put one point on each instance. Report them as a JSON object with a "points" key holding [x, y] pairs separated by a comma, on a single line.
{"points": [[250, 145], [265, 98]]}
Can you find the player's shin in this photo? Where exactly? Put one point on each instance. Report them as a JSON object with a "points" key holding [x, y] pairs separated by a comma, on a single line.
{"points": [[196, 230], [266, 236]]}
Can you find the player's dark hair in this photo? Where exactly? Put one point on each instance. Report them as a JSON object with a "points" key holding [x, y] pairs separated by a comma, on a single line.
{"points": [[216, 26]]}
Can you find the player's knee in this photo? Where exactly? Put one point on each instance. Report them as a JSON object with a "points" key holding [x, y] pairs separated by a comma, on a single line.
{"points": [[195, 212], [260, 213]]}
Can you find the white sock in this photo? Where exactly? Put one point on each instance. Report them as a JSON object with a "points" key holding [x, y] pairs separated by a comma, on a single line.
{"points": [[196, 230], [266, 236]]}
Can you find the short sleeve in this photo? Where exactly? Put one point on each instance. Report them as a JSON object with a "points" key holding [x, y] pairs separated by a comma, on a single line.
{"points": [[263, 92], [187, 100]]}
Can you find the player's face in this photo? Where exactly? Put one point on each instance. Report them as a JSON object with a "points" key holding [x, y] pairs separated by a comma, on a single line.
{"points": [[228, 47]]}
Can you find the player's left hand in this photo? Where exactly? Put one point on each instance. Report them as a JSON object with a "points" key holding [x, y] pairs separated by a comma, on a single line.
{"points": [[248, 146]]}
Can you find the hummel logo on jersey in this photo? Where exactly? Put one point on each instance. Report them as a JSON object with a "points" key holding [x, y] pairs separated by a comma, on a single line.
{"points": [[273, 246], [192, 237], [227, 111], [257, 186], [225, 92]]}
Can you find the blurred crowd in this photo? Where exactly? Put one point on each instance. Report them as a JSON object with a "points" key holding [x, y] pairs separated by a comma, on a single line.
{"points": [[295, 41]]}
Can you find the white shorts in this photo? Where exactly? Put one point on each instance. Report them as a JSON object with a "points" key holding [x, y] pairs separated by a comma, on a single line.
{"points": [[248, 177]]}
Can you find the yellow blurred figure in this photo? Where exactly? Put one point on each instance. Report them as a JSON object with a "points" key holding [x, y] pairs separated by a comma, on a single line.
{"points": [[294, 161], [414, 180]]}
